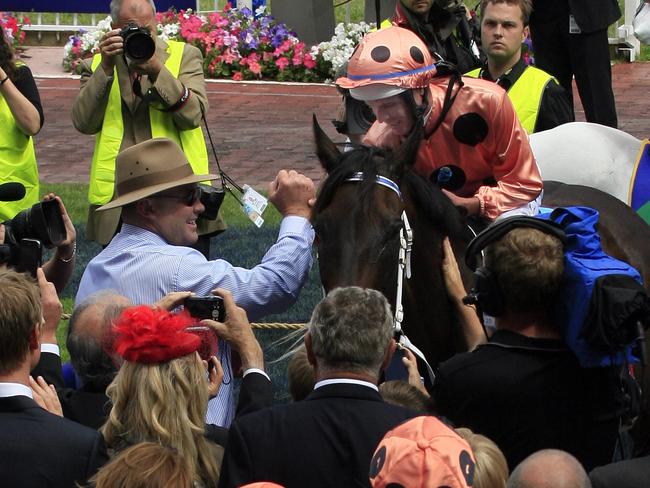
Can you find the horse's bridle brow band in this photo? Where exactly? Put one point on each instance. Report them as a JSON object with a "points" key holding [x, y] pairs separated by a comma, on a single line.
{"points": [[380, 180]]}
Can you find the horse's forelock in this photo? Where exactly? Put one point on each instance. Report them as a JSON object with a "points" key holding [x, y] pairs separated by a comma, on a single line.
{"points": [[361, 159]]}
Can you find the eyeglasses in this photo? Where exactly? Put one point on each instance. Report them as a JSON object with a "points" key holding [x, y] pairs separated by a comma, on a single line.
{"points": [[188, 199]]}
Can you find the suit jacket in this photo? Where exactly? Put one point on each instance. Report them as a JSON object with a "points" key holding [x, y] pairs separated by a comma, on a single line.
{"points": [[591, 15], [38, 449], [326, 440], [84, 406], [634, 473]]}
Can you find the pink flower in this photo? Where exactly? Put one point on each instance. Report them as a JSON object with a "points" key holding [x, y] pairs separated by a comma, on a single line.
{"points": [[310, 62], [282, 63], [237, 76], [296, 60], [228, 57], [255, 67]]}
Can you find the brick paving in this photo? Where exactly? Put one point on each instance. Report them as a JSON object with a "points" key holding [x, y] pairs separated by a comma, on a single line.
{"points": [[258, 128]]}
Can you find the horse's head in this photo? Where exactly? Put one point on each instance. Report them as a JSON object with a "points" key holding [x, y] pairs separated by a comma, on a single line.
{"points": [[358, 220]]}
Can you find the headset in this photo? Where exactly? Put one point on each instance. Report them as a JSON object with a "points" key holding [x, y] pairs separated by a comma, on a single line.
{"points": [[486, 293]]}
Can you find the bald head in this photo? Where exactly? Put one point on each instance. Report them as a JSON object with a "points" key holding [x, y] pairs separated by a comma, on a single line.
{"points": [[549, 468], [88, 334]]}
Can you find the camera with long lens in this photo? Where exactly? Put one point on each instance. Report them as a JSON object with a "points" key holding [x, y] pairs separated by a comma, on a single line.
{"points": [[138, 43], [211, 198], [28, 232]]}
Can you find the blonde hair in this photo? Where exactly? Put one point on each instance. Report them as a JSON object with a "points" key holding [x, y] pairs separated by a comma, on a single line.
{"points": [[164, 403], [145, 465], [491, 466], [301, 375]]}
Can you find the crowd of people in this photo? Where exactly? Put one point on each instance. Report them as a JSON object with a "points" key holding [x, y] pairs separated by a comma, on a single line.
{"points": [[146, 406]]}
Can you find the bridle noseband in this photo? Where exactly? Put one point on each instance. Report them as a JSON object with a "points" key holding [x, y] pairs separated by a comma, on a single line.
{"points": [[403, 268]]}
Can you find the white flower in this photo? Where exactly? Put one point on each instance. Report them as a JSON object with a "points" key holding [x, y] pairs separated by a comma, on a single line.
{"points": [[338, 49]]}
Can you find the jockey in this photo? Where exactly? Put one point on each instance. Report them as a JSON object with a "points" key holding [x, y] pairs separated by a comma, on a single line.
{"points": [[474, 146]]}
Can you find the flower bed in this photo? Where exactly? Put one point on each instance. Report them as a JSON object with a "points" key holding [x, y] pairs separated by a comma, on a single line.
{"points": [[13, 29], [239, 44]]}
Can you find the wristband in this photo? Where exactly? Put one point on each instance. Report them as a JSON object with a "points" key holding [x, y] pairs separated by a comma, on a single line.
{"points": [[2, 82], [182, 101], [74, 252]]}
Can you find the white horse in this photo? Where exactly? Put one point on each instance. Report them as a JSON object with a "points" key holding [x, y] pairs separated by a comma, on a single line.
{"points": [[581, 153]]}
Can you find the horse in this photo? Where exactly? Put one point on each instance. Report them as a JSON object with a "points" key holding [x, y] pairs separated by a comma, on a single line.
{"points": [[358, 221], [596, 156]]}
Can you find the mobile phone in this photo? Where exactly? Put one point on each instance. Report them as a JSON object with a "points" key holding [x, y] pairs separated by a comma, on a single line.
{"points": [[30, 256], [208, 307]]}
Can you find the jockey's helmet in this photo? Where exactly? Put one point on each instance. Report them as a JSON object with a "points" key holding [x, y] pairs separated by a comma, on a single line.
{"points": [[388, 62]]}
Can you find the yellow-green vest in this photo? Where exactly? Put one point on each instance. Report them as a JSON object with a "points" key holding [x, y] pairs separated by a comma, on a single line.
{"points": [[525, 94], [17, 162], [109, 139]]}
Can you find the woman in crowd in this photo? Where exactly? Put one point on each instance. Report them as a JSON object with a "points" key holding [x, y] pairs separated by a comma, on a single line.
{"points": [[21, 117], [144, 465], [160, 393]]}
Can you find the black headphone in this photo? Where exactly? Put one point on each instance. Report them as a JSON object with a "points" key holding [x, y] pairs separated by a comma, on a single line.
{"points": [[486, 293]]}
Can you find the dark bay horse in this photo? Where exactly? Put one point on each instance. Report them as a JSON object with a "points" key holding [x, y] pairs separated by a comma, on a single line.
{"points": [[358, 223]]}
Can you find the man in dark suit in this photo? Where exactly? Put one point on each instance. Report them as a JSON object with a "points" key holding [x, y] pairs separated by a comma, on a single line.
{"points": [[570, 38], [327, 439], [633, 473], [37, 448]]}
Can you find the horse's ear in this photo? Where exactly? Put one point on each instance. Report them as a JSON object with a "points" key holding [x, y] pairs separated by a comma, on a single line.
{"points": [[406, 155], [326, 150]]}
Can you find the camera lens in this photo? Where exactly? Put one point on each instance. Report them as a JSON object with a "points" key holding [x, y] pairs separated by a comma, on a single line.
{"points": [[138, 43]]}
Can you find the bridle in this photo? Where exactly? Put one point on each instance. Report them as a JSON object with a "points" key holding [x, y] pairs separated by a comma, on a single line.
{"points": [[403, 268]]}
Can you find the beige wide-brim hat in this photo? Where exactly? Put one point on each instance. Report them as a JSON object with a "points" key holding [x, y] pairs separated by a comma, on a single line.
{"points": [[148, 168]]}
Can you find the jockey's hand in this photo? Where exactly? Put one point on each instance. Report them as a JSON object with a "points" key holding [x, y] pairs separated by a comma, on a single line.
{"points": [[471, 204], [292, 193], [111, 45]]}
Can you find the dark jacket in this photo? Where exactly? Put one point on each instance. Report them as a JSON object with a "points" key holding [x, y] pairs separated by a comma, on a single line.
{"points": [[38, 449], [326, 440]]}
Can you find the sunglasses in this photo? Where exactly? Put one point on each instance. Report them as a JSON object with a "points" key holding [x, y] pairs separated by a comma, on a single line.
{"points": [[188, 199]]}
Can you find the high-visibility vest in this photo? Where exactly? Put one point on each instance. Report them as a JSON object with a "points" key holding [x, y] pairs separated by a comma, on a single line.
{"points": [[109, 140], [17, 162], [525, 94]]}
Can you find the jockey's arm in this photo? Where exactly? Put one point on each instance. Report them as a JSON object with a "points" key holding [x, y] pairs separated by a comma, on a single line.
{"points": [[513, 164]]}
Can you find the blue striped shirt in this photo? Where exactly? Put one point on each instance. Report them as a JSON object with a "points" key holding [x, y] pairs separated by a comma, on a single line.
{"points": [[142, 266]]}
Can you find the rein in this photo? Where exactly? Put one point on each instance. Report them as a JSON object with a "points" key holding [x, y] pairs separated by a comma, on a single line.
{"points": [[403, 269]]}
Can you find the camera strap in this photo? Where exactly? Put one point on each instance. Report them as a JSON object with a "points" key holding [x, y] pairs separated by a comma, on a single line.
{"points": [[252, 203]]}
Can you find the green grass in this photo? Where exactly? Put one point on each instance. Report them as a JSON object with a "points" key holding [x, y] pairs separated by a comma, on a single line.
{"points": [[75, 199]]}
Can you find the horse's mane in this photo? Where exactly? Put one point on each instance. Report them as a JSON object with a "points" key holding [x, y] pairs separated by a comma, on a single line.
{"points": [[372, 161]]}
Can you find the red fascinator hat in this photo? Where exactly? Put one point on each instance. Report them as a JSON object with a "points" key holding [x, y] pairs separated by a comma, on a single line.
{"points": [[147, 335]]}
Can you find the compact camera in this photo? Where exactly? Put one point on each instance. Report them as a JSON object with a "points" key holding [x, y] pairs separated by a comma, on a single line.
{"points": [[138, 43], [208, 307], [28, 232]]}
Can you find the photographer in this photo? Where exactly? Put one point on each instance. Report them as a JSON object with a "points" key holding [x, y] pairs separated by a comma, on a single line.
{"points": [[59, 267], [138, 87]]}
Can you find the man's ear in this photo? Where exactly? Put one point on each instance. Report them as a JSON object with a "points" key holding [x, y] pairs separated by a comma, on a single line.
{"points": [[145, 208], [35, 338], [389, 354], [310, 352], [526, 33]]}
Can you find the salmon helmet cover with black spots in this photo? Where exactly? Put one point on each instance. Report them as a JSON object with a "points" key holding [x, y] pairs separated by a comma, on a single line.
{"points": [[393, 57]]}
